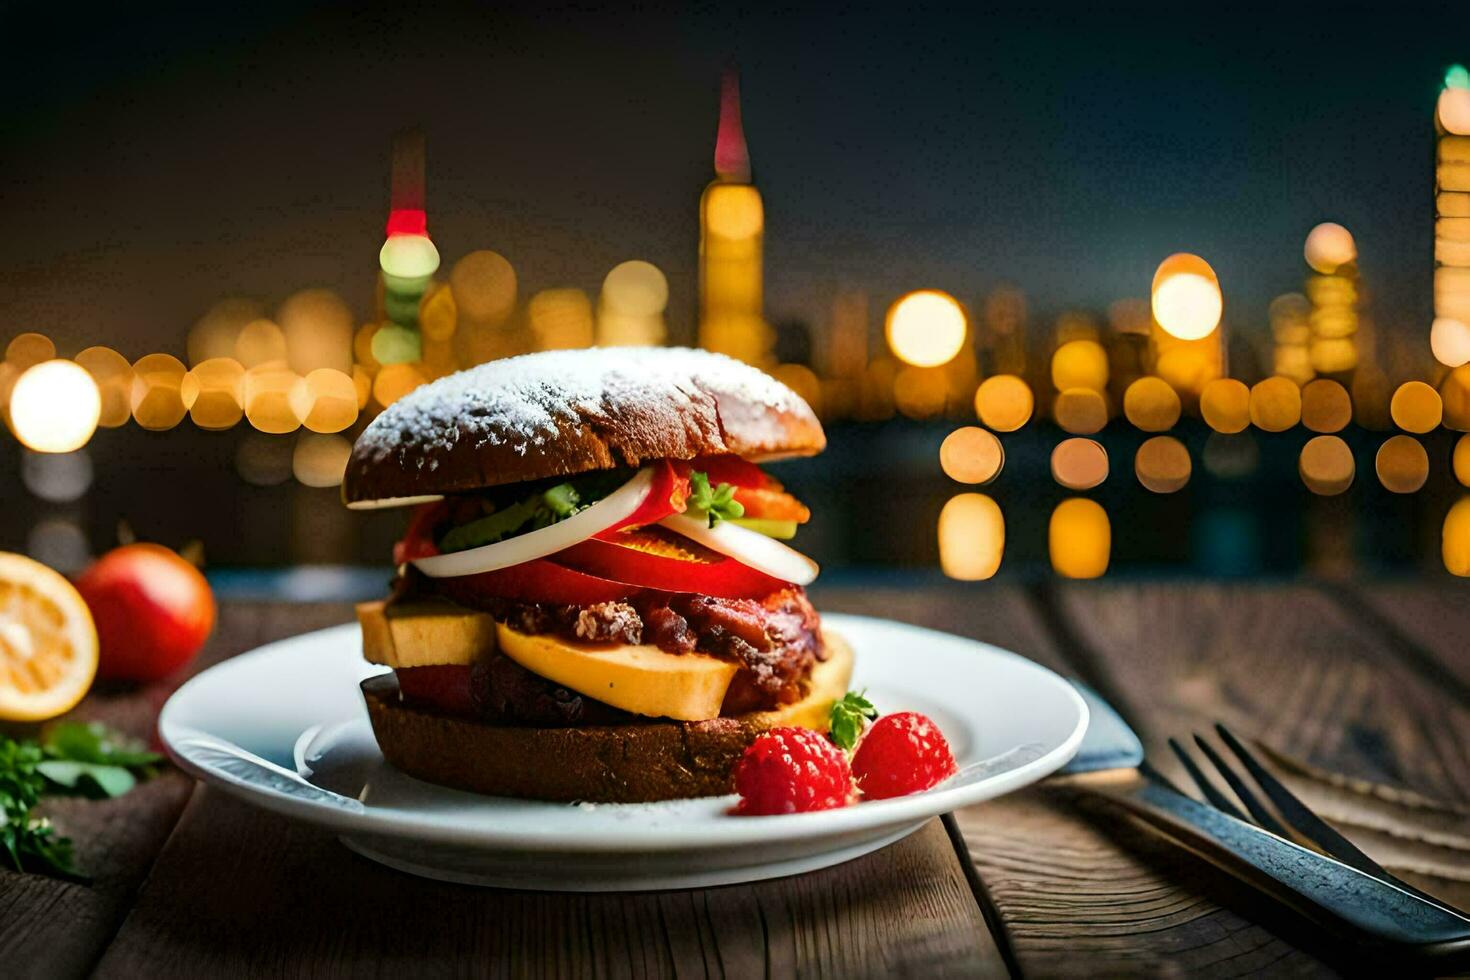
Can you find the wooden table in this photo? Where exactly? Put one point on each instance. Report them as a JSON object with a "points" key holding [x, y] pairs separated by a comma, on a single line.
{"points": [[1368, 682]]}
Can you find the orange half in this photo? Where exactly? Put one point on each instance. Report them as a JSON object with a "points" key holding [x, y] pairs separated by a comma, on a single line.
{"points": [[48, 644]]}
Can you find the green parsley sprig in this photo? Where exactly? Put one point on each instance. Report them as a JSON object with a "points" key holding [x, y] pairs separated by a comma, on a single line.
{"points": [[718, 502], [850, 714]]}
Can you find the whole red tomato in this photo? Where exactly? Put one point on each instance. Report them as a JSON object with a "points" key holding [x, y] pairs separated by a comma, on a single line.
{"points": [[153, 610]]}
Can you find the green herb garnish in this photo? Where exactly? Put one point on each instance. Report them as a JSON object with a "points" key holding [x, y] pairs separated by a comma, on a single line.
{"points": [[95, 761], [717, 502], [540, 508], [849, 714]]}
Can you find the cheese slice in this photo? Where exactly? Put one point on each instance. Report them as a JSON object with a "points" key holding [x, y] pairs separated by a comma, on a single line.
{"points": [[424, 634], [642, 679]]}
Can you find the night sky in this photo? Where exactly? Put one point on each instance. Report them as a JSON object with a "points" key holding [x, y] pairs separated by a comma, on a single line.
{"points": [[156, 162]]}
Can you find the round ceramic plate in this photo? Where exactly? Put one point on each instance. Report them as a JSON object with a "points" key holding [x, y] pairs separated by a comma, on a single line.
{"points": [[285, 728]]}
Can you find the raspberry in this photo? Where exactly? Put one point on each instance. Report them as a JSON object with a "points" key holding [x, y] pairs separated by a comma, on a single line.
{"points": [[901, 754], [791, 770]]}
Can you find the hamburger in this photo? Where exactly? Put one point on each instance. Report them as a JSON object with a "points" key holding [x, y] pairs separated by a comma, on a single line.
{"points": [[594, 597]]}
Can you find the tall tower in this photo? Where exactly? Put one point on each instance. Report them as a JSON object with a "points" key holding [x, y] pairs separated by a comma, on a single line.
{"points": [[732, 224]]}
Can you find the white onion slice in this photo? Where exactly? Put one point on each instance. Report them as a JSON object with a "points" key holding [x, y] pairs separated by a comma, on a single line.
{"points": [[616, 506], [748, 547], [384, 502]]}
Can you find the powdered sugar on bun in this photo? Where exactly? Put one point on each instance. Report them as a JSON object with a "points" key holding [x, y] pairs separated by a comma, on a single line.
{"points": [[569, 411]]}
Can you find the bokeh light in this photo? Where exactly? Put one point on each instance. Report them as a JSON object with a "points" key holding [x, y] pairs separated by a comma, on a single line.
{"points": [[919, 393], [1080, 411], [260, 342], [275, 398], [408, 261], [1004, 402], [926, 328], [1162, 464], [318, 327], [1230, 456], [802, 380], [1402, 464], [54, 407], [1453, 111], [114, 377], [971, 455], [1455, 538], [636, 287], [264, 460], [1449, 340], [396, 344], [1328, 246], [319, 460], [1151, 404], [217, 331], [332, 397], [1326, 465], [1080, 364], [560, 319], [733, 211], [157, 399], [395, 381], [213, 392], [1460, 461], [59, 544], [1079, 464], [1326, 406], [1079, 538], [1275, 404], [1416, 407], [29, 349], [972, 537], [1186, 297], [57, 478], [484, 287]]}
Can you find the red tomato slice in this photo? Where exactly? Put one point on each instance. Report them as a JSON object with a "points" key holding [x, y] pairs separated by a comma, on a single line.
{"points": [[444, 688], [732, 470], [676, 568], [665, 497], [533, 581]]}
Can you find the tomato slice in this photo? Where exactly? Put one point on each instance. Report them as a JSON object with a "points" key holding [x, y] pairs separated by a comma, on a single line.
{"points": [[443, 687], [732, 470], [418, 540], [656, 560], [541, 580], [667, 495]]}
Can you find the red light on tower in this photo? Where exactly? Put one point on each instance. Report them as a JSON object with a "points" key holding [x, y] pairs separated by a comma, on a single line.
{"points": [[406, 215], [732, 159]]}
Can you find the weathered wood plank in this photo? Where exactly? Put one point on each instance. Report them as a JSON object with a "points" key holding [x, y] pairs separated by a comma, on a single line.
{"points": [[56, 928], [240, 892], [1430, 622], [1076, 893]]}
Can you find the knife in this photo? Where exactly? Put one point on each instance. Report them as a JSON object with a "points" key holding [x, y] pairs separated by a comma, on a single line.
{"points": [[1378, 916]]}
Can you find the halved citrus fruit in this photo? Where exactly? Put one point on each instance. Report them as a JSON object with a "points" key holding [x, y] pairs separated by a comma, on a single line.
{"points": [[48, 645]]}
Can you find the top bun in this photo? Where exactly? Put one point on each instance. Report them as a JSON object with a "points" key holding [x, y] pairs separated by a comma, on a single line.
{"points": [[563, 412]]}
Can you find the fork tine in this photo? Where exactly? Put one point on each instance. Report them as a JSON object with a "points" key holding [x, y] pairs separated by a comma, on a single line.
{"points": [[1296, 812], [1217, 799], [1242, 792]]}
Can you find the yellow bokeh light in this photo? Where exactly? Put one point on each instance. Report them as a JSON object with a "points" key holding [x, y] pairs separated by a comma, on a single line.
{"points": [[926, 328], [1275, 404], [438, 315], [560, 319], [1402, 464], [971, 455], [332, 396], [54, 407], [1329, 245], [1449, 340], [1455, 538], [1326, 465], [1151, 405], [1186, 297], [919, 393], [28, 349], [213, 392], [215, 333], [1004, 402], [1416, 407], [1460, 461], [260, 342], [363, 383], [972, 537], [1226, 405], [157, 399], [362, 347], [802, 380], [1079, 464], [733, 211], [1333, 355], [318, 460], [1080, 364], [275, 398], [484, 287], [114, 377], [1162, 464], [636, 288], [395, 381], [1079, 538], [1453, 111], [1080, 411], [318, 328], [1326, 406]]}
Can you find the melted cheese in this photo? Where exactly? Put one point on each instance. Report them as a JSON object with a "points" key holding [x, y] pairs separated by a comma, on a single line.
{"points": [[423, 634]]}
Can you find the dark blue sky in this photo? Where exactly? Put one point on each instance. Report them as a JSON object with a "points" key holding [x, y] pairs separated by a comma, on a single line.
{"points": [[157, 161]]}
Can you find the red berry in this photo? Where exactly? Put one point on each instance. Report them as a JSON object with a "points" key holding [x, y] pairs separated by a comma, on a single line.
{"points": [[901, 754], [791, 770]]}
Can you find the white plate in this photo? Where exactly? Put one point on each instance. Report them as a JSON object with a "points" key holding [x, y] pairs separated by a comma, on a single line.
{"points": [[285, 728]]}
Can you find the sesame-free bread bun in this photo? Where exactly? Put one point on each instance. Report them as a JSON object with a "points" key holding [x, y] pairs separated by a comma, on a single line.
{"points": [[639, 763], [564, 412]]}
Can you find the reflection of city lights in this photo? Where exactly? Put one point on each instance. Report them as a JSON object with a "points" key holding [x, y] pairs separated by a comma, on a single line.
{"points": [[1151, 405], [972, 537], [484, 287], [319, 460], [1079, 538], [1080, 411], [1275, 404], [1162, 464], [213, 392], [1416, 407], [1186, 297], [1455, 540], [1004, 402], [1460, 462], [1080, 364], [114, 377], [971, 455], [1326, 406], [1329, 245], [1402, 464], [1449, 339], [333, 400], [54, 407], [275, 398], [1326, 465], [926, 328], [58, 478], [1079, 464]]}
